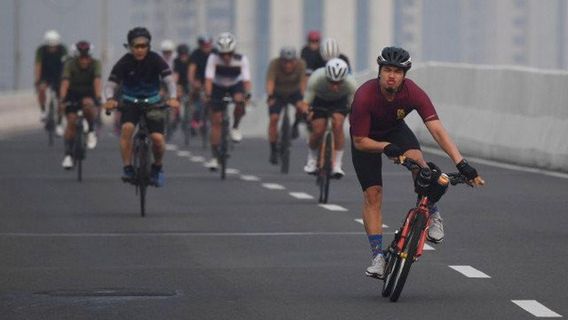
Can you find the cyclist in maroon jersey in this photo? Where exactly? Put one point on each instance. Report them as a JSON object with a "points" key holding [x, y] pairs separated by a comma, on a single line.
{"points": [[377, 126]]}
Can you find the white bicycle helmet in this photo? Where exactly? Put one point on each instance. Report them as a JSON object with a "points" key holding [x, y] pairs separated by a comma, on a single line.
{"points": [[52, 38], [329, 49], [226, 42], [167, 45], [336, 70]]}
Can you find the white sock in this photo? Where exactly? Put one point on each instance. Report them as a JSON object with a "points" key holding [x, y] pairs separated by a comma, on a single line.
{"points": [[338, 158]]}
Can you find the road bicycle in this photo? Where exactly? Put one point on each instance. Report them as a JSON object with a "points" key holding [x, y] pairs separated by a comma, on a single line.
{"points": [[142, 146], [186, 119], [408, 243], [325, 156]]}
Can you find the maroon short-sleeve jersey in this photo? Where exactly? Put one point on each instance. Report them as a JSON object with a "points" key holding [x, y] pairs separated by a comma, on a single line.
{"points": [[373, 116]]}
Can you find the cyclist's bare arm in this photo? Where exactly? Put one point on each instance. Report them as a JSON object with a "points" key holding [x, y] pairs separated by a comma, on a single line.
{"points": [[191, 76], [208, 87], [369, 145], [63, 89], [37, 72], [443, 139], [98, 86]]}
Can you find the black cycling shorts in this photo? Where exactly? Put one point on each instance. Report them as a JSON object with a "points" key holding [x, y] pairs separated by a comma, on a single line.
{"points": [[75, 101], [281, 101], [155, 119], [218, 93], [335, 106], [368, 166]]}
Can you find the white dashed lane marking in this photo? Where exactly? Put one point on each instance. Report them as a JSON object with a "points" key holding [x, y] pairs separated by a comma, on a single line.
{"points": [[333, 207], [470, 272], [536, 308], [183, 153], [301, 195], [249, 178], [273, 186], [197, 159], [171, 147], [232, 171]]}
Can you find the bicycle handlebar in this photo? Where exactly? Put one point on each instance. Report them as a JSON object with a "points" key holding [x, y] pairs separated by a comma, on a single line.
{"points": [[454, 178]]}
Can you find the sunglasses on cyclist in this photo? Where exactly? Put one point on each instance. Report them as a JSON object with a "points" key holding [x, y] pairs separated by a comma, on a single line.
{"points": [[140, 46]]}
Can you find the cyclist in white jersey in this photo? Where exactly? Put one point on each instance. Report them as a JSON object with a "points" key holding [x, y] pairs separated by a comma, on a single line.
{"points": [[332, 88], [227, 72]]}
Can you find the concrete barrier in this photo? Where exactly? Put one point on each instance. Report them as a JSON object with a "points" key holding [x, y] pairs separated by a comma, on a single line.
{"points": [[509, 114]]}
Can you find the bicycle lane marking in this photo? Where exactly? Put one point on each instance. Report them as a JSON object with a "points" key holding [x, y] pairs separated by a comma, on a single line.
{"points": [[536, 308], [301, 195], [332, 207], [470, 272], [273, 186]]}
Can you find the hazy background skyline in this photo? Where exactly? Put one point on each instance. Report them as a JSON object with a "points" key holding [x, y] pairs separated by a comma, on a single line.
{"points": [[531, 33]]}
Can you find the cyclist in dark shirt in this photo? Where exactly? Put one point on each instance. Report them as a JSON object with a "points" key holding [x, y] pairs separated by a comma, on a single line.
{"points": [[311, 53], [197, 64], [377, 126], [181, 68], [139, 74], [49, 59]]}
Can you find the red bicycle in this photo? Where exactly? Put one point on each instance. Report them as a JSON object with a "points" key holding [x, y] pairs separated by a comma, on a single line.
{"points": [[408, 243]]}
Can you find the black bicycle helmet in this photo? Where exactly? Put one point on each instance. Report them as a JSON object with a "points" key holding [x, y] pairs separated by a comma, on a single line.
{"points": [[138, 32], [182, 49], [394, 56], [84, 48]]}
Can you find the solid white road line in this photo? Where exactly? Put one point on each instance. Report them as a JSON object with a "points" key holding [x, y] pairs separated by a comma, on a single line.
{"points": [[333, 207], [361, 222], [301, 195], [249, 178], [536, 309], [273, 186], [173, 234], [470, 272], [183, 153]]}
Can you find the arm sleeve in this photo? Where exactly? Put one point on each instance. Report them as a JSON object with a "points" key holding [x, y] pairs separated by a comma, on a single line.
{"points": [[171, 85], [109, 89], [310, 93], [210, 68], [245, 69]]}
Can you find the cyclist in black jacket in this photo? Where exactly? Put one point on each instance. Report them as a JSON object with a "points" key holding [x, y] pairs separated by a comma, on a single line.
{"points": [[139, 73]]}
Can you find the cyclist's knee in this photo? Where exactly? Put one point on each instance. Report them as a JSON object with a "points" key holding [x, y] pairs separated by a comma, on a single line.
{"points": [[158, 139], [373, 195], [127, 129]]}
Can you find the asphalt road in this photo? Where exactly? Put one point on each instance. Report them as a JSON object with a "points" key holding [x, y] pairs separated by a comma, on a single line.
{"points": [[245, 248]]}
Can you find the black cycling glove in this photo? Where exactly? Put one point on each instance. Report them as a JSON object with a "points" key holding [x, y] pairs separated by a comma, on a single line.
{"points": [[392, 151], [468, 171]]}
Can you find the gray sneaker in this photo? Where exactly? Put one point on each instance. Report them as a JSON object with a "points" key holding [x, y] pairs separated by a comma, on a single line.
{"points": [[377, 267], [436, 230]]}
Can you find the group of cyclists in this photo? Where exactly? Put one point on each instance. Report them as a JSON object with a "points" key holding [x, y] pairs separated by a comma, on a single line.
{"points": [[318, 79]]}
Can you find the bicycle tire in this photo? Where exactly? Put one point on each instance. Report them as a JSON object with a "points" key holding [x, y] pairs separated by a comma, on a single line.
{"points": [[285, 143], [143, 173], [186, 123], [50, 123], [325, 171], [410, 249], [391, 268], [78, 152], [224, 148]]}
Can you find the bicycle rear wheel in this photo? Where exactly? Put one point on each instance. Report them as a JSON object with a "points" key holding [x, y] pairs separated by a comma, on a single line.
{"points": [[407, 256], [285, 143], [325, 170]]}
